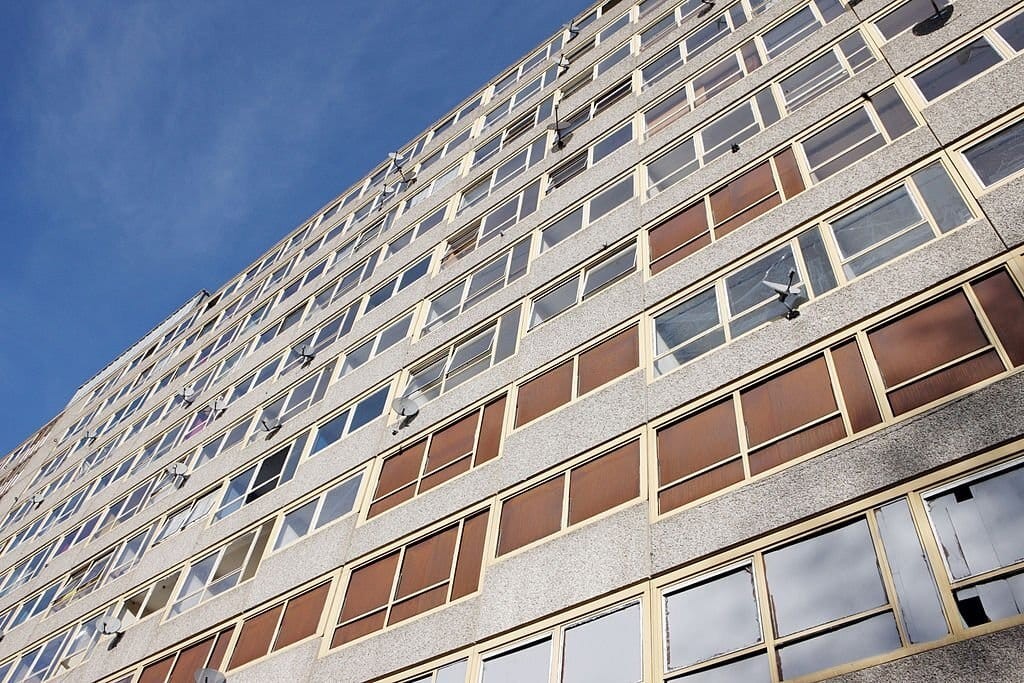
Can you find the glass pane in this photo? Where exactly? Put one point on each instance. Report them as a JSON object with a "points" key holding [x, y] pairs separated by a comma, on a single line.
{"points": [[889, 250], [1000, 156], [1012, 31], [369, 408], [957, 68], [338, 501], [452, 673], [733, 128], [600, 275], [527, 664], [711, 619], [825, 577], [604, 650], [296, 524], [942, 197], [672, 167], [882, 218], [991, 600], [691, 318], [562, 228], [751, 303], [867, 638], [330, 431], [911, 574], [750, 670], [554, 302], [789, 32], [613, 197], [979, 525]]}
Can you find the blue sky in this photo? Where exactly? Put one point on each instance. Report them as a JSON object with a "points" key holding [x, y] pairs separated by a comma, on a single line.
{"points": [[153, 149]]}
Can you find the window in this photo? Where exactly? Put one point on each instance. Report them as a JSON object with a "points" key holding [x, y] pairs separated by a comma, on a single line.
{"points": [[999, 156], [901, 19], [541, 510], [358, 414], [465, 359], [578, 375], [607, 270], [432, 571], [443, 454], [279, 626], [590, 211], [330, 505], [492, 224], [222, 442], [590, 156], [221, 570], [487, 279], [260, 479], [950, 72], [187, 515], [304, 394], [385, 292], [378, 343], [503, 173]]}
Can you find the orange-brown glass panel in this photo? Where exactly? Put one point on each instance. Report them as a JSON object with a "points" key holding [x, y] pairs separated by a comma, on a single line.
{"points": [[789, 173], [452, 442], [427, 562], [255, 637], [358, 628], [223, 640], [418, 604], [797, 444], [678, 237], [605, 482], [369, 587], [302, 616], [157, 671], [787, 401], [697, 441], [471, 555], [703, 484], [490, 431], [543, 394], [856, 388], [945, 382], [190, 660], [530, 515], [1004, 306], [611, 358]]}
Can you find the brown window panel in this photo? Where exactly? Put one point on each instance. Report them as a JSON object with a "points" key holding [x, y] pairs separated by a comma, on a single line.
{"points": [[471, 555], [856, 388], [1004, 306], [789, 173], [697, 441], [452, 442], [441, 476], [387, 502], [490, 431], [678, 237], [302, 616], [190, 660], [221, 648], [358, 628], [927, 338], [418, 604], [605, 482], [369, 586], [788, 400], [531, 515], [797, 444], [157, 671], [945, 382], [427, 562], [702, 485], [543, 394], [255, 637], [742, 192], [401, 469], [611, 358]]}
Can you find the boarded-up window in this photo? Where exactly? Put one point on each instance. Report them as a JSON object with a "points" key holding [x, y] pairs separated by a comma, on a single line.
{"points": [[424, 574], [531, 515], [944, 334], [681, 235], [543, 394], [446, 453], [255, 637], [609, 359], [604, 482]]}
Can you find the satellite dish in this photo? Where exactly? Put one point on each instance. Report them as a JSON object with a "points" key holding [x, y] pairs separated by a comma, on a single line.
{"points": [[270, 424], [110, 626], [706, 9], [388, 190], [209, 676], [218, 406], [178, 469], [563, 63], [405, 407], [37, 499], [935, 21], [91, 436], [396, 157]]}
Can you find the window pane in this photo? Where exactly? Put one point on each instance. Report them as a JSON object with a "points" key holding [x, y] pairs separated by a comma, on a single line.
{"points": [[689, 319], [1000, 156], [1012, 31], [612, 198], [734, 127], [957, 68], [832, 575], [711, 619], [554, 302], [943, 199], [978, 523], [604, 650], [844, 142], [600, 275], [369, 408], [789, 32], [527, 664], [750, 670], [751, 303], [338, 501], [296, 524], [991, 600], [672, 167], [863, 639], [563, 228], [884, 217]]}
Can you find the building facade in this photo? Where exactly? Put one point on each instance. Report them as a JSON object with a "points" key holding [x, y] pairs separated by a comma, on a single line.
{"points": [[688, 349]]}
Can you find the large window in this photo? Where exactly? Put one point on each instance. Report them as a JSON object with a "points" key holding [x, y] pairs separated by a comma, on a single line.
{"points": [[998, 156], [608, 269], [330, 505]]}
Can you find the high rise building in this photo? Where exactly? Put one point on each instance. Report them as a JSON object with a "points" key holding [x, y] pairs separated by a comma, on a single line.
{"points": [[687, 349]]}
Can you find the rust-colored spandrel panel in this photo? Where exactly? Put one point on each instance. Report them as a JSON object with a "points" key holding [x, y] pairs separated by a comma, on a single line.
{"points": [[400, 469], [448, 472], [927, 338], [789, 173], [744, 217], [743, 192], [190, 660], [697, 441], [157, 671], [223, 640], [418, 604], [531, 515], [788, 400], [795, 445], [358, 628], [452, 442], [543, 394], [1004, 307], [605, 482], [302, 616], [945, 382], [490, 431], [369, 587], [391, 500], [702, 485], [611, 358], [856, 388], [682, 228], [255, 637], [471, 555], [427, 562]]}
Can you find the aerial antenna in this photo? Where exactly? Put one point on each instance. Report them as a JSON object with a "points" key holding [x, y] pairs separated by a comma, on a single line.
{"points": [[187, 396], [785, 292], [396, 163], [560, 140], [37, 499], [407, 410], [573, 31], [218, 407], [270, 425], [91, 436], [935, 21]]}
